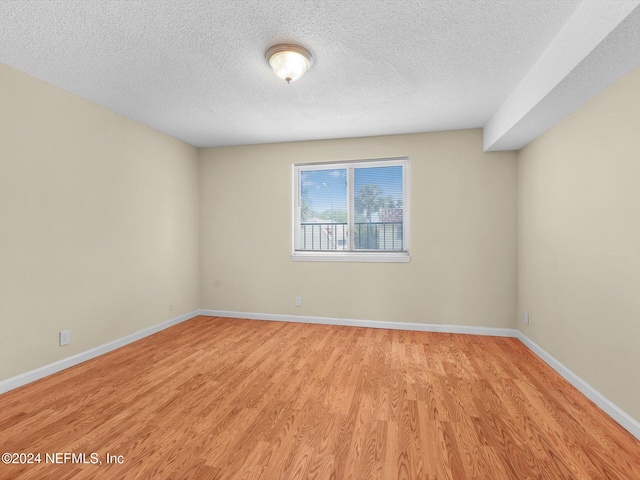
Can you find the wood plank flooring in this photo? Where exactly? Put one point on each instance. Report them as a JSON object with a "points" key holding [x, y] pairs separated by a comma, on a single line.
{"points": [[216, 398]]}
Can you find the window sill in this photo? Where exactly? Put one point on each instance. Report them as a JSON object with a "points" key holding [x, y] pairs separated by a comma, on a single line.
{"points": [[390, 257]]}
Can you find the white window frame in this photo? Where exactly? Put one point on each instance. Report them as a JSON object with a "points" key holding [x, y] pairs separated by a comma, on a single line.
{"points": [[351, 255]]}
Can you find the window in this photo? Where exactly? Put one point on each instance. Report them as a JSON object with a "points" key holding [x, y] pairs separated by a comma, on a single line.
{"points": [[355, 211]]}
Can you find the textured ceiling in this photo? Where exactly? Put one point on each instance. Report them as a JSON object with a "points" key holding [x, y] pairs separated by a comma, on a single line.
{"points": [[196, 69]]}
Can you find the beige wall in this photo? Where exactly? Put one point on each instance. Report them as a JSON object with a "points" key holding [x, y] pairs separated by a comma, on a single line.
{"points": [[463, 227], [98, 224], [579, 242]]}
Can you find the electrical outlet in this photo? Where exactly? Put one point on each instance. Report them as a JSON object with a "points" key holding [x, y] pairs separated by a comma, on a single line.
{"points": [[298, 301], [171, 307], [526, 318], [65, 337]]}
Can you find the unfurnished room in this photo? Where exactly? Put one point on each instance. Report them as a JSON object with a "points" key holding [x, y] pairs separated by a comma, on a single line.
{"points": [[320, 239]]}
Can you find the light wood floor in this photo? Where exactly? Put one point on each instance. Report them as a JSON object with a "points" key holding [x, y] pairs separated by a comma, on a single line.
{"points": [[224, 398]]}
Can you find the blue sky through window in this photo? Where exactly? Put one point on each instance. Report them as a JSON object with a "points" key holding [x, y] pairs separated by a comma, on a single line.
{"points": [[326, 190]]}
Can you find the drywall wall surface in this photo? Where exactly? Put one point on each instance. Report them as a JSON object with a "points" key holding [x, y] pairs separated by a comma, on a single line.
{"points": [[579, 242], [463, 226], [98, 224]]}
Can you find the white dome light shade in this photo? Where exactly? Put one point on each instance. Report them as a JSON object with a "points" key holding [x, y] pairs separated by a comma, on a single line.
{"points": [[289, 62]]}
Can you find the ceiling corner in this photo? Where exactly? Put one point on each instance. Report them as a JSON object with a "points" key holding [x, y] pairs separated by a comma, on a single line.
{"points": [[598, 45]]}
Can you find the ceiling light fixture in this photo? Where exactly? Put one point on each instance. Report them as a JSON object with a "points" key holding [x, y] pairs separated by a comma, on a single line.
{"points": [[288, 61]]}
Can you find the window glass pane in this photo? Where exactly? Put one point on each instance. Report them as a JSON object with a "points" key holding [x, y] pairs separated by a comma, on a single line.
{"points": [[378, 205], [323, 210], [359, 206]]}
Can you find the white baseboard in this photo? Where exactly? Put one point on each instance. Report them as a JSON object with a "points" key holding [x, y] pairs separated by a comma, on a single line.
{"points": [[615, 412], [619, 415], [348, 322], [38, 373], [629, 423]]}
